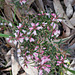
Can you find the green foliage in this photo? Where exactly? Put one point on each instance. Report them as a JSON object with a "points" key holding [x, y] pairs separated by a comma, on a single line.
{"points": [[4, 35]]}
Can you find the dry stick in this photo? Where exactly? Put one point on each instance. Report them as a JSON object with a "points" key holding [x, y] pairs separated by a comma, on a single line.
{"points": [[7, 69], [59, 10]]}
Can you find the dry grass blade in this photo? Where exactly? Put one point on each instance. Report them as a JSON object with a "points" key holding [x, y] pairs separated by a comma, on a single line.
{"points": [[7, 69]]}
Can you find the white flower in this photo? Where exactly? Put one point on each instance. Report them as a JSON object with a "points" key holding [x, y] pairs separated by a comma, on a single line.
{"points": [[24, 31], [56, 33], [1, 23], [54, 26], [5, 24], [32, 40], [21, 40], [28, 57], [66, 61], [44, 23], [10, 24], [38, 28], [16, 35], [10, 41], [34, 32], [59, 20], [52, 23], [17, 31], [26, 38], [7, 38], [15, 42], [22, 1], [20, 25], [28, 33], [19, 50]]}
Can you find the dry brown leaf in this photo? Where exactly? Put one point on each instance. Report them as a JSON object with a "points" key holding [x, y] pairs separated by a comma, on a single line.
{"points": [[67, 2], [59, 10], [29, 2], [40, 5], [8, 12], [66, 31], [15, 65], [72, 20], [16, 12], [8, 1], [69, 10]]}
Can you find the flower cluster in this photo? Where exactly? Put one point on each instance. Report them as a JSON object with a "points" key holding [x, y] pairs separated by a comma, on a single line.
{"points": [[61, 61], [42, 62], [35, 38]]}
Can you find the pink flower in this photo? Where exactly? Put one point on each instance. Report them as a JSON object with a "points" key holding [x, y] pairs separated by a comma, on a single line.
{"points": [[56, 33], [21, 34], [54, 26], [40, 72], [52, 23], [10, 24], [47, 69], [22, 1], [65, 65], [47, 14], [15, 35], [21, 39], [24, 31], [48, 28], [31, 28], [36, 47], [34, 32], [15, 42], [26, 38], [61, 58], [35, 54], [38, 28], [28, 57], [17, 31], [54, 15], [59, 62], [44, 59], [32, 40], [48, 65], [20, 25], [36, 59], [41, 13], [44, 23], [59, 20], [34, 28], [57, 57]]}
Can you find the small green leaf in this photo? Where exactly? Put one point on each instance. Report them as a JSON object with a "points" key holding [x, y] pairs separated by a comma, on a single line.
{"points": [[4, 35]]}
